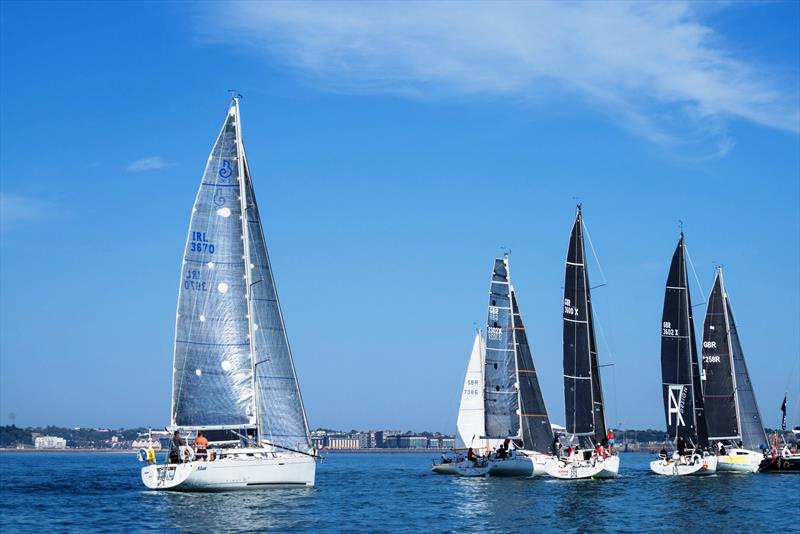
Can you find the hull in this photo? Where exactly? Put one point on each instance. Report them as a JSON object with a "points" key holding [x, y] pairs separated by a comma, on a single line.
{"points": [[782, 464], [468, 469], [565, 469], [445, 469], [521, 464], [739, 461], [694, 466], [232, 473]]}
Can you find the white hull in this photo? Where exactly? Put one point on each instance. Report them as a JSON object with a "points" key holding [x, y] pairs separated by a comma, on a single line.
{"points": [[566, 469], [739, 461], [445, 469], [469, 469], [232, 473], [521, 464], [695, 466]]}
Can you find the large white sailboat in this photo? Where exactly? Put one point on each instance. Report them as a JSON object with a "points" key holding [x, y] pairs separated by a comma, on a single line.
{"points": [[583, 391], [734, 421], [233, 374], [681, 384]]}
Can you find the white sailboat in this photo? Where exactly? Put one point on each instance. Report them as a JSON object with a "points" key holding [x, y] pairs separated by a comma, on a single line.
{"points": [[734, 421], [583, 391], [233, 374], [681, 384]]}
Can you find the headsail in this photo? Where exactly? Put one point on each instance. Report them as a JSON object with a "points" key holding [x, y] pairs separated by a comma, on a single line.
{"points": [[282, 418], [470, 422], [500, 369], [583, 397], [683, 400], [537, 435], [719, 388], [212, 376]]}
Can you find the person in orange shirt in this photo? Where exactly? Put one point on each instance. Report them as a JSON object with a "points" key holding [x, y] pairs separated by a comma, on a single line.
{"points": [[200, 447]]}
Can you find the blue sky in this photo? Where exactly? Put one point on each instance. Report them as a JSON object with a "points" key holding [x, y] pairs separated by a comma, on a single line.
{"points": [[395, 149]]}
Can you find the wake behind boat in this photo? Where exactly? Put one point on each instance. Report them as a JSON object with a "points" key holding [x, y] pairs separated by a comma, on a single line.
{"points": [[583, 391], [233, 374], [680, 373]]}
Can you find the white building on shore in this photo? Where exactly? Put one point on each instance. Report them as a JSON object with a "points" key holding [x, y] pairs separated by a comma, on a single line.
{"points": [[50, 442]]}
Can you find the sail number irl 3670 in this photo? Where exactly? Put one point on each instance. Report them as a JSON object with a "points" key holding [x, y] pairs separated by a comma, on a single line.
{"points": [[201, 244]]}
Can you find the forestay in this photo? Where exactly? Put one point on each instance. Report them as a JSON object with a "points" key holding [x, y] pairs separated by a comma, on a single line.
{"points": [[537, 435], [212, 378], [500, 391]]}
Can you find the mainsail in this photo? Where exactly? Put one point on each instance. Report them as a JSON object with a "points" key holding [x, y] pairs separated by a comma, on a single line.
{"points": [[500, 369], [232, 363], [731, 409], [583, 394], [537, 435], [470, 422], [680, 374]]}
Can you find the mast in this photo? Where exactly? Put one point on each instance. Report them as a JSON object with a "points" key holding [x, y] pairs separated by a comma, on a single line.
{"points": [[248, 275]]}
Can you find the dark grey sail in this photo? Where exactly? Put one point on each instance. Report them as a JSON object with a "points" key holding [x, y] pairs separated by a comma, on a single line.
{"points": [[719, 388], [728, 391], [583, 397], [500, 376], [212, 376], [537, 434], [682, 394], [282, 419]]}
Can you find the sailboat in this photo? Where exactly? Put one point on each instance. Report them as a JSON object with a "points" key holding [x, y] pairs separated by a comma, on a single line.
{"points": [[470, 425], [680, 373], [233, 375], [583, 391], [732, 414], [514, 409]]}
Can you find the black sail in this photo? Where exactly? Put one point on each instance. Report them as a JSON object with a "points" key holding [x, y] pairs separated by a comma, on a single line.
{"points": [[680, 373], [537, 435], [583, 399], [719, 389]]}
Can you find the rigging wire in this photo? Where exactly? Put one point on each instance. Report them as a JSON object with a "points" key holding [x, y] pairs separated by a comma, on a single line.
{"points": [[696, 278]]}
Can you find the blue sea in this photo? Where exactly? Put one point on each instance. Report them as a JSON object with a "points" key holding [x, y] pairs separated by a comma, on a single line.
{"points": [[80, 492]]}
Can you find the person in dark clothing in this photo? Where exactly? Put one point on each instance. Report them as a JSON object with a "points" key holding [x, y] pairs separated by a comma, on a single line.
{"points": [[681, 443], [175, 448], [663, 453], [556, 445]]}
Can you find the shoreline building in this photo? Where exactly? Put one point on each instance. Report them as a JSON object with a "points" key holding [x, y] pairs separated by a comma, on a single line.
{"points": [[50, 442]]}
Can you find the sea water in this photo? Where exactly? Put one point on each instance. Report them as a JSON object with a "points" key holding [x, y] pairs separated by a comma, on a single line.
{"points": [[372, 492]]}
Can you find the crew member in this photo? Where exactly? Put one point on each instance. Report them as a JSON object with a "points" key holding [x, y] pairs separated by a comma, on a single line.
{"points": [[175, 448], [201, 446]]}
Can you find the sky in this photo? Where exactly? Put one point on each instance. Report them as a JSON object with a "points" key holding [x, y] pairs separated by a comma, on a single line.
{"points": [[396, 150]]}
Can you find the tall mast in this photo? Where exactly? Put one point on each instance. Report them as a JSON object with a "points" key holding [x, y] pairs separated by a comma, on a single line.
{"points": [[730, 351], [248, 275], [515, 344]]}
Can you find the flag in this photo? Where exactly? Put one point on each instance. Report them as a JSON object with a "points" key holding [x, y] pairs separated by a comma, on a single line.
{"points": [[783, 409]]}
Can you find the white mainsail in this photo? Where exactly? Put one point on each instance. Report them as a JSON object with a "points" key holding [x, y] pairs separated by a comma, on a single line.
{"points": [[470, 413]]}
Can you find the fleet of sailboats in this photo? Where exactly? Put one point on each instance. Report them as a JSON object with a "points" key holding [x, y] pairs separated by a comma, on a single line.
{"points": [[236, 395]]}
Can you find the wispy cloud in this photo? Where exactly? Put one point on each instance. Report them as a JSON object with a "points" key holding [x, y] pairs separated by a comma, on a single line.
{"points": [[151, 163], [16, 208], [654, 67]]}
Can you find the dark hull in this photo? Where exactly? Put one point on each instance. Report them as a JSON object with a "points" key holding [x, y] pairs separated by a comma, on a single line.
{"points": [[781, 465]]}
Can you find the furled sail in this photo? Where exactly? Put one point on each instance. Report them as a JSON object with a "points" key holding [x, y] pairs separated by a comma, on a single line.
{"points": [[212, 375], [682, 394], [721, 345], [500, 369], [470, 422], [282, 419], [719, 388], [537, 435], [583, 397]]}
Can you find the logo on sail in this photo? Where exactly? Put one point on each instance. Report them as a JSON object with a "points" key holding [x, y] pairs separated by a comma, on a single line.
{"points": [[677, 400], [226, 171]]}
